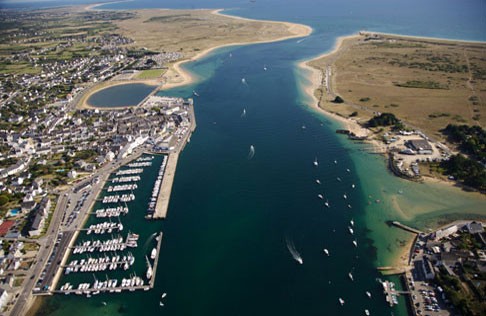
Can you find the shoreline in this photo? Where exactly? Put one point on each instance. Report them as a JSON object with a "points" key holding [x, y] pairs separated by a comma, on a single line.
{"points": [[176, 70], [177, 76], [400, 261]]}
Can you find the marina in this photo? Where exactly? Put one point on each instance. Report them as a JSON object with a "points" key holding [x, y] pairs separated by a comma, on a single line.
{"points": [[132, 283], [101, 249]]}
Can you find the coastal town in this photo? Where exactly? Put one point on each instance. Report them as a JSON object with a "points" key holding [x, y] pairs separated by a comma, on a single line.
{"points": [[445, 270], [56, 157]]}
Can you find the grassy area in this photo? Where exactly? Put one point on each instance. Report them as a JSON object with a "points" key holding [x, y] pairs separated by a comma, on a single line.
{"points": [[446, 78], [190, 31], [150, 74]]}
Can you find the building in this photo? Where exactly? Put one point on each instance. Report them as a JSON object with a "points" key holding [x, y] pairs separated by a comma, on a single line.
{"points": [[428, 269], [442, 233], [474, 228], [420, 146], [3, 298]]}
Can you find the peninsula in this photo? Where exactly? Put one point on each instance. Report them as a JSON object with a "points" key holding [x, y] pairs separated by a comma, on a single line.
{"points": [[408, 96]]}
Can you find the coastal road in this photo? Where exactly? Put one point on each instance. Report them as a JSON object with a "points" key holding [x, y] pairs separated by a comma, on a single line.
{"points": [[24, 300]]}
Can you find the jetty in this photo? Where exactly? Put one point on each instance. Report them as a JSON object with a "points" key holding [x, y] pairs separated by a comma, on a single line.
{"points": [[163, 198], [407, 228]]}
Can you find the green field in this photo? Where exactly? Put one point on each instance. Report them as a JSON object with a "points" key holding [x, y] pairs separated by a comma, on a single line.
{"points": [[151, 74]]}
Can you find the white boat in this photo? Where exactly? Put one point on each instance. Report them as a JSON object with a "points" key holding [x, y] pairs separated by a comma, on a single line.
{"points": [[335, 161], [367, 312], [149, 272], [316, 163], [355, 243], [161, 304], [163, 295], [243, 114], [320, 196], [153, 254], [351, 276], [351, 222], [195, 93], [347, 170], [326, 251], [243, 80], [327, 204], [351, 230], [341, 301], [265, 68], [368, 294], [252, 152], [318, 181], [353, 186], [345, 196], [339, 179]]}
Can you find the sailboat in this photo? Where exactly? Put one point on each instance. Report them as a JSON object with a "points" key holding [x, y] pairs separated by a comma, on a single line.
{"points": [[316, 163], [243, 80], [320, 196], [355, 243], [265, 68], [327, 204], [195, 93], [318, 181]]}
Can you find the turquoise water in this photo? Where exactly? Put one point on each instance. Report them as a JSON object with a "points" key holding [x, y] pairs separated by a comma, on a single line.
{"points": [[121, 95], [225, 248]]}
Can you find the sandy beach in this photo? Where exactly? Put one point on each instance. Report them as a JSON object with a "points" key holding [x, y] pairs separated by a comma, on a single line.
{"points": [[315, 82], [177, 76]]}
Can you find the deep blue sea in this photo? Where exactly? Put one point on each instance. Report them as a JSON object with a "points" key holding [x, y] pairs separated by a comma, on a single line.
{"points": [[232, 219]]}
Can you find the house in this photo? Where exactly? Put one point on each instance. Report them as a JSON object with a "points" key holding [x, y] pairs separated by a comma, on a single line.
{"points": [[37, 225], [72, 174]]}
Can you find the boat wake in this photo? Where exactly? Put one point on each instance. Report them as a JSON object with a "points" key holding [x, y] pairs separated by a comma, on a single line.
{"points": [[251, 153], [295, 254], [149, 240]]}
